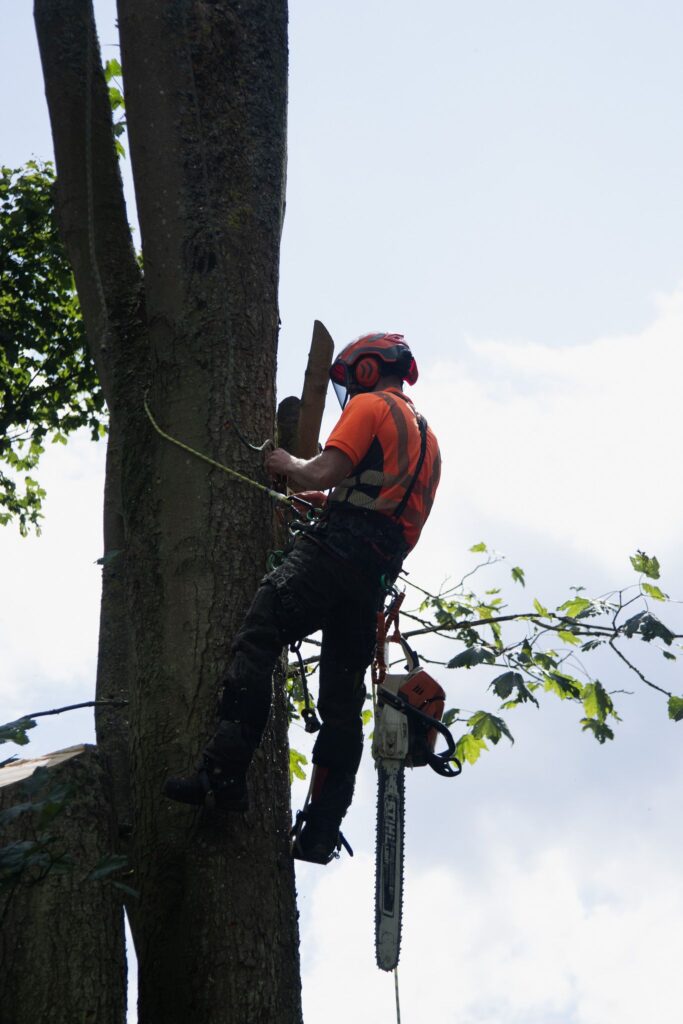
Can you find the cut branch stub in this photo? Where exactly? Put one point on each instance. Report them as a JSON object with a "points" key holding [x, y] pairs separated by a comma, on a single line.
{"points": [[314, 390], [288, 412]]}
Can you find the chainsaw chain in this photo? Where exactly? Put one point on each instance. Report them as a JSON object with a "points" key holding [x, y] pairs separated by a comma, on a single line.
{"points": [[389, 865]]}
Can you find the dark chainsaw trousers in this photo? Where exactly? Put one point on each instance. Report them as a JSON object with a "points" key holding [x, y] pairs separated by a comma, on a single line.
{"points": [[311, 590]]}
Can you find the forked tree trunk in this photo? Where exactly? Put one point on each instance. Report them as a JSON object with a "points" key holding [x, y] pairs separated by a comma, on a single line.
{"points": [[215, 925]]}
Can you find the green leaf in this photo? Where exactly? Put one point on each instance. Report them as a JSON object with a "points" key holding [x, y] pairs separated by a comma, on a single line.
{"points": [[504, 684], [568, 638], [562, 685], [16, 857], [517, 574], [472, 656], [643, 563], [15, 732], [129, 891], [523, 694], [486, 726], [112, 69], [296, 763], [468, 748], [601, 731], [476, 548], [596, 701], [676, 709], [542, 611], [575, 607], [450, 716], [649, 627], [669, 656], [108, 557], [15, 811], [108, 866], [544, 660], [654, 591]]}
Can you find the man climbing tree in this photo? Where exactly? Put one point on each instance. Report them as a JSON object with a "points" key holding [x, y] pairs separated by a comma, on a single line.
{"points": [[383, 464], [212, 909]]}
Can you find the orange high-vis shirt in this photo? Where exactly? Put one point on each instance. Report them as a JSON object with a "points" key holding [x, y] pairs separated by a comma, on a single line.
{"points": [[379, 432]]}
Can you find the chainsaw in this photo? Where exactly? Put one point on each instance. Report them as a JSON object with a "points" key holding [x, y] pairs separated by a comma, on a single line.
{"points": [[408, 711]]}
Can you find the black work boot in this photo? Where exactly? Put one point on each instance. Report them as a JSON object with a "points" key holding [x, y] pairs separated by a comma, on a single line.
{"points": [[316, 834], [220, 778]]}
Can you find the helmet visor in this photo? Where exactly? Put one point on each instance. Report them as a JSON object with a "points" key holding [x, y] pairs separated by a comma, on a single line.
{"points": [[339, 375], [342, 392]]}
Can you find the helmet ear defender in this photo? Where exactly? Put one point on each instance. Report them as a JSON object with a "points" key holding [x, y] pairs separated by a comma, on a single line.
{"points": [[366, 372], [362, 362]]}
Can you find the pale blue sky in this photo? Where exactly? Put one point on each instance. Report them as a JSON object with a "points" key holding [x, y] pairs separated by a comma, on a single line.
{"points": [[500, 181], [494, 169]]}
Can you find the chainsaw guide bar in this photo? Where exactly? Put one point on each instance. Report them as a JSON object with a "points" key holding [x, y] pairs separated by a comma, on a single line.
{"points": [[389, 863]]}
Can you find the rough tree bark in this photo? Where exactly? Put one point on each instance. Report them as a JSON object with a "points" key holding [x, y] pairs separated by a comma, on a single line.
{"points": [[61, 959], [215, 925]]}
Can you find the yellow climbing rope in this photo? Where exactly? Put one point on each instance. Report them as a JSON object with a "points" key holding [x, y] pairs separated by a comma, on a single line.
{"points": [[276, 495]]}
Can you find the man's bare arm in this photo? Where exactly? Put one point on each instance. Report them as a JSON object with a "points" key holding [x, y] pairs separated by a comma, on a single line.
{"points": [[322, 471]]}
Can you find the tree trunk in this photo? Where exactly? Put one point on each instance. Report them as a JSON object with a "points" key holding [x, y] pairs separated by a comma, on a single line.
{"points": [[215, 926], [61, 958], [91, 211], [114, 656]]}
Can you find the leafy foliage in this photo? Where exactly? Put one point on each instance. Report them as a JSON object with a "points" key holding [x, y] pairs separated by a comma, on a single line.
{"points": [[48, 383], [110, 865], [675, 708], [539, 653], [648, 566], [472, 656], [113, 78], [32, 859], [297, 762], [649, 627], [15, 732], [542, 649]]}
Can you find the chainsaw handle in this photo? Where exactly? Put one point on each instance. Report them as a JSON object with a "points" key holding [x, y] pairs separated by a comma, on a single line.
{"points": [[443, 763]]}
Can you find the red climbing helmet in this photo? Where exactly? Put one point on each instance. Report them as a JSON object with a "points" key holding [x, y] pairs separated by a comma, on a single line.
{"points": [[360, 364]]}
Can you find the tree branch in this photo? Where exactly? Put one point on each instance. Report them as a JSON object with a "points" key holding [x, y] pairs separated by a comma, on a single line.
{"points": [[76, 707], [637, 671], [89, 197]]}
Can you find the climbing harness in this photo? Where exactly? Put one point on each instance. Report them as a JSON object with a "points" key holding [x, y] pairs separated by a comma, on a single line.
{"points": [[385, 619], [422, 427], [295, 526], [308, 713], [408, 710]]}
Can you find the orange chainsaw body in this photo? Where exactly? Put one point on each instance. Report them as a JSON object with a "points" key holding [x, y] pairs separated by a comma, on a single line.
{"points": [[424, 693]]}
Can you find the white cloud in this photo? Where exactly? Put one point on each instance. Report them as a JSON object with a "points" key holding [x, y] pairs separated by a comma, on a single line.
{"points": [[525, 941], [574, 446], [50, 586]]}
